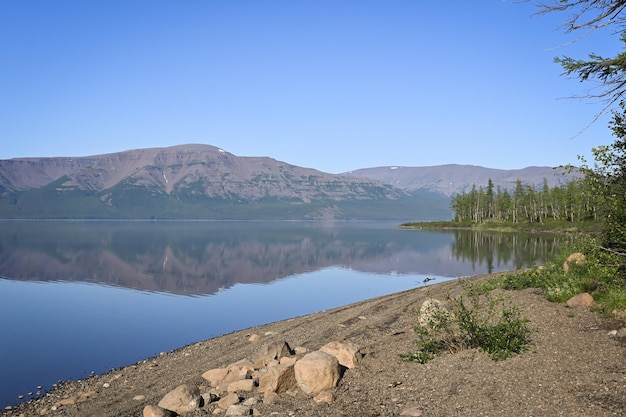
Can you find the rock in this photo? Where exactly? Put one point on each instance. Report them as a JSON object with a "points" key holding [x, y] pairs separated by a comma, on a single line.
{"points": [[254, 338], [182, 399], [300, 350], [139, 397], [237, 410], [239, 370], [215, 376], [621, 332], [275, 350], [241, 385], [156, 411], [433, 312], [66, 401], [412, 412], [86, 395], [228, 400], [269, 397], [316, 372], [278, 379], [574, 258], [581, 300], [209, 397], [324, 397], [347, 353]]}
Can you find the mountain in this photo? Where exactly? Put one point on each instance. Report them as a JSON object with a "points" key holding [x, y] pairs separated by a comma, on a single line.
{"points": [[454, 179], [197, 182]]}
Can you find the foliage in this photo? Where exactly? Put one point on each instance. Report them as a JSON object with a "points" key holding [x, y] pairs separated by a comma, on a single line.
{"points": [[570, 203], [599, 275], [607, 179], [479, 321], [588, 15]]}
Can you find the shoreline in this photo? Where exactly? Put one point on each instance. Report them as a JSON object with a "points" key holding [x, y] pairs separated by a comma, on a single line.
{"points": [[382, 327]]}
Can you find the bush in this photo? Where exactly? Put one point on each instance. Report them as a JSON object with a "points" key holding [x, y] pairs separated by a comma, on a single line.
{"points": [[599, 275], [479, 321]]}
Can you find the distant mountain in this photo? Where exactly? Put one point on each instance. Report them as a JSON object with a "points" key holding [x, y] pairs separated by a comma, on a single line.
{"points": [[197, 182], [453, 179]]}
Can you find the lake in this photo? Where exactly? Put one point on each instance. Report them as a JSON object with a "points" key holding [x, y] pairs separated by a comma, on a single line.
{"points": [[82, 297]]}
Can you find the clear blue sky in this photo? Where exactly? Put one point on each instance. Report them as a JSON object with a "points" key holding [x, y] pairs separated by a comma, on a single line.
{"points": [[332, 85]]}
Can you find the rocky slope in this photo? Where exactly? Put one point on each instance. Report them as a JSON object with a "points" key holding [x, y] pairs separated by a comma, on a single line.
{"points": [[204, 182], [187, 181]]}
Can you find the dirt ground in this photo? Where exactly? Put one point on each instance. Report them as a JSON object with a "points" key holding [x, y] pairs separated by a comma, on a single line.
{"points": [[574, 367]]}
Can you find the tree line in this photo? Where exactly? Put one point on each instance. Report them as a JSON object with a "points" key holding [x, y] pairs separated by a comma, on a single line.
{"points": [[526, 203]]}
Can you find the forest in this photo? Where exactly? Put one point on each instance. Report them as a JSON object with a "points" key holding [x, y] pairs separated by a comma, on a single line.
{"points": [[573, 202]]}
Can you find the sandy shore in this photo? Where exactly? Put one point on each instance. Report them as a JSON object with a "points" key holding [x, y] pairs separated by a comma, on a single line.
{"points": [[574, 367]]}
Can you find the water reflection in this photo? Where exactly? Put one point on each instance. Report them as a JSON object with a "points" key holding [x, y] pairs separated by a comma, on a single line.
{"points": [[497, 249], [206, 257]]}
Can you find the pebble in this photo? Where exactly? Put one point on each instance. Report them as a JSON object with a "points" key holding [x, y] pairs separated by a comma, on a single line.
{"points": [[106, 385]]}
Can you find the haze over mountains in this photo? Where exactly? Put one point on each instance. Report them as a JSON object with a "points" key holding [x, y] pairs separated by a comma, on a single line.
{"points": [[204, 182]]}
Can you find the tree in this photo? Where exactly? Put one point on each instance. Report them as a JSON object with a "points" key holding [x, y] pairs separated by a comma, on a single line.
{"points": [[608, 177], [589, 15]]}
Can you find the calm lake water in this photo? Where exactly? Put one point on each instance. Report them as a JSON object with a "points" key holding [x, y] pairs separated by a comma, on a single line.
{"points": [[83, 297]]}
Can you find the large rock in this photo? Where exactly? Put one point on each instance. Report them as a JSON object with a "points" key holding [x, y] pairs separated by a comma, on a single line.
{"points": [[347, 353], [581, 300], [278, 379], [241, 385], [215, 376], [228, 400], [433, 313], [574, 258], [183, 399], [316, 372], [156, 411], [270, 352]]}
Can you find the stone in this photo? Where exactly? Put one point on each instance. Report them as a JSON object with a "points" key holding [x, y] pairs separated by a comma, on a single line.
{"points": [[270, 397], [239, 370], [269, 352], [581, 300], [254, 338], [66, 401], [237, 410], [621, 332], [228, 400], [316, 372], [215, 376], [412, 412], [241, 385], [156, 411], [86, 395], [182, 399], [433, 312], [324, 397], [347, 353], [278, 379], [574, 258], [139, 397], [209, 397]]}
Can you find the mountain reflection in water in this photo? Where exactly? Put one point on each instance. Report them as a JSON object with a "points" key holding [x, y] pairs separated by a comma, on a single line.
{"points": [[197, 258]]}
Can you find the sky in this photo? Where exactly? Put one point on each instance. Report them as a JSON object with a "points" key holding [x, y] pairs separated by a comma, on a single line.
{"points": [[332, 85]]}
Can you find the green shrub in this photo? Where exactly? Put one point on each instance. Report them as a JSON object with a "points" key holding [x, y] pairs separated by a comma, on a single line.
{"points": [[479, 321], [599, 276]]}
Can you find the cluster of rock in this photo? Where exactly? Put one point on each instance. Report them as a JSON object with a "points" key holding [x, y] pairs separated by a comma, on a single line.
{"points": [[274, 370]]}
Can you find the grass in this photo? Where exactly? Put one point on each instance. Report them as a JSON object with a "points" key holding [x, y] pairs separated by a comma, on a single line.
{"points": [[479, 320], [599, 275], [475, 320], [497, 226]]}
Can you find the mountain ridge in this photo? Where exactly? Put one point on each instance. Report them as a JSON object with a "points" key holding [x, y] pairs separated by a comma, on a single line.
{"points": [[451, 179], [198, 181]]}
